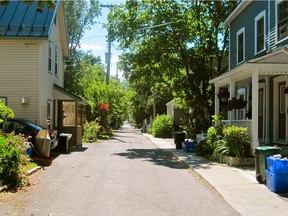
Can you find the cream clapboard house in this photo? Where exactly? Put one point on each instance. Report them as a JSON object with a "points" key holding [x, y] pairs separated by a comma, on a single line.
{"points": [[33, 48], [258, 63]]}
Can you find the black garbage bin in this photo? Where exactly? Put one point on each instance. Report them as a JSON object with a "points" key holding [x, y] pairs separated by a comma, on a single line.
{"points": [[261, 153], [179, 137], [64, 144]]}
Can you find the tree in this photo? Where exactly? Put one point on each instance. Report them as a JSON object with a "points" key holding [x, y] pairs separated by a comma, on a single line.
{"points": [[80, 16], [182, 43]]}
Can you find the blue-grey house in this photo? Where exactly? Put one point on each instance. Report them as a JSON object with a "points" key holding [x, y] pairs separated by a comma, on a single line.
{"points": [[258, 70]]}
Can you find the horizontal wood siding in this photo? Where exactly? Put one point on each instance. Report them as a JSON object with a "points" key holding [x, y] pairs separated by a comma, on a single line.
{"points": [[18, 76], [272, 26], [246, 20], [274, 44], [48, 79]]}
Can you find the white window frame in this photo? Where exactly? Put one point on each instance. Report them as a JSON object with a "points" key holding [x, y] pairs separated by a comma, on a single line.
{"points": [[241, 112], [257, 18], [4, 100], [50, 52], [277, 2], [56, 62], [241, 31]]}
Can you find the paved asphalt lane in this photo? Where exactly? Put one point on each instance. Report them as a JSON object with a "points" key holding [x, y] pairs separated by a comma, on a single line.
{"points": [[126, 175]]}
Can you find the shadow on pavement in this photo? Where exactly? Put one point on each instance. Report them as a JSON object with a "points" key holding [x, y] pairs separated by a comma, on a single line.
{"points": [[156, 156], [80, 149]]}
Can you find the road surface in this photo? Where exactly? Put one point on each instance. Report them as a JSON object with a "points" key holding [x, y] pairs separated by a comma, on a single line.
{"points": [[126, 175]]}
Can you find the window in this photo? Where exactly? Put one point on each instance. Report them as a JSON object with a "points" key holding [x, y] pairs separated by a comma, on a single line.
{"points": [[260, 29], [56, 62], [282, 20], [50, 57], [69, 113], [240, 46], [241, 93], [4, 100]]}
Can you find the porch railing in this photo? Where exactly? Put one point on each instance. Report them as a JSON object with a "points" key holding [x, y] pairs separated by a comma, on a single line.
{"points": [[241, 123]]}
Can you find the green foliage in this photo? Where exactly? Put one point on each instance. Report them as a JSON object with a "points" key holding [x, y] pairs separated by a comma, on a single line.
{"points": [[221, 147], [215, 132], [90, 83], [203, 149], [238, 141], [91, 131], [232, 141], [80, 16], [5, 112], [154, 37], [162, 126], [13, 159]]}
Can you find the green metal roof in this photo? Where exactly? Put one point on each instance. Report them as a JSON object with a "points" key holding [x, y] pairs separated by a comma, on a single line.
{"points": [[19, 19]]}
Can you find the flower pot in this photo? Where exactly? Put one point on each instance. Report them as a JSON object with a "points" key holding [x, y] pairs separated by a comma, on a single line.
{"points": [[234, 161]]}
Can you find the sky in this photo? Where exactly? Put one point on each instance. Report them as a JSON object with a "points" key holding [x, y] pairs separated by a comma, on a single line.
{"points": [[95, 38]]}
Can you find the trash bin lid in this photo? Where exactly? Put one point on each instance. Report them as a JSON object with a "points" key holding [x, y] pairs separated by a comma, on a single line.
{"points": [[267, 148]]}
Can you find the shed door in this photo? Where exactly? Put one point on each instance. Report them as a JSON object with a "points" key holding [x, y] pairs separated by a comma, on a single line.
{"points": [[282, 113]]}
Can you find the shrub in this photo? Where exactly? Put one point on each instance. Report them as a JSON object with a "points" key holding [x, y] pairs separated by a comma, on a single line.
{"points": [[238, 141], [91, 131], [5, 112], [221, 148], [13, 159], [162, 126], [215, 132], [203, 149], [232, 141]]}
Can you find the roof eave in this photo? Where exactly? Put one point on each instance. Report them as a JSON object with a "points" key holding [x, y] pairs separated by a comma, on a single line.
{"points": [[237, 11]]}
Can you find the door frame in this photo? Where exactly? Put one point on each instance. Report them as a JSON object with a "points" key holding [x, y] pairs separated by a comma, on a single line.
{"points": [[276, 82], [262, 86], [50, 109]]}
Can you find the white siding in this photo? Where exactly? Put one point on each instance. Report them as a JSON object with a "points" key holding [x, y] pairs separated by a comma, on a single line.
{"points": [[18, 76], [24, 72], [48, 79]]}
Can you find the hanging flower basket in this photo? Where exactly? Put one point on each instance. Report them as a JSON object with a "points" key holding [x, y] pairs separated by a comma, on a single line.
{"points": [[236, 104], [223, 94]]}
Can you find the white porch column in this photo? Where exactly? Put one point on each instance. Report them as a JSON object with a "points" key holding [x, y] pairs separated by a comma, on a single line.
{"points": [[232, 94], [267, 108], [216, 107], [255, 91]]}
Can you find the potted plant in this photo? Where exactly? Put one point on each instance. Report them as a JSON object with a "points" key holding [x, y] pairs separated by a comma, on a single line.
{"points": [[223, 94], [231, 144], [236, 103]]}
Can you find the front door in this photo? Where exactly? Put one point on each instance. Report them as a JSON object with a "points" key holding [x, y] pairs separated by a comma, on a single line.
{"points": [[260, 113], [282, 113]]}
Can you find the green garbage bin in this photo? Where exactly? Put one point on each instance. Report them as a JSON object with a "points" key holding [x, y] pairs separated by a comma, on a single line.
{"points": [[179, 137], [261, 153]]}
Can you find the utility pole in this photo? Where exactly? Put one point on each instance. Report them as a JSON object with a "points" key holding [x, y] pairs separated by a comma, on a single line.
{"points": [[108, 54], [117, 70]]}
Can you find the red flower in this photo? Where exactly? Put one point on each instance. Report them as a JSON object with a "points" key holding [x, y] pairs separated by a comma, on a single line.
{"points": [[104, 107]]}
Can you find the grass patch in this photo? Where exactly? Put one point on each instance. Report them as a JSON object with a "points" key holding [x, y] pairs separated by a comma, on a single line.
{"points": [[30, 166]]}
